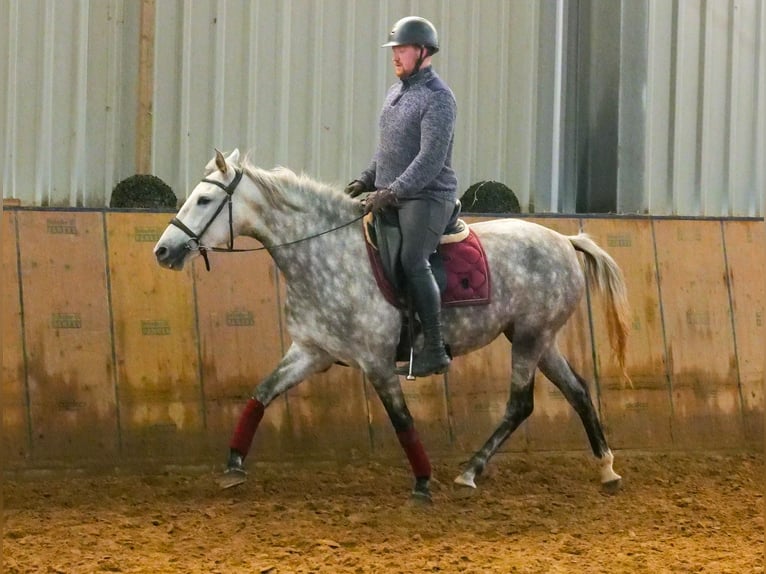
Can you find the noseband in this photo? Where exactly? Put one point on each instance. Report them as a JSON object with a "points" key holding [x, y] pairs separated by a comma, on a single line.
{"points": [[195, 239]]}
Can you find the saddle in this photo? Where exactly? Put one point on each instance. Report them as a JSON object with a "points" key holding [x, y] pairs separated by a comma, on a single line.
{"points": [[459, 266]]}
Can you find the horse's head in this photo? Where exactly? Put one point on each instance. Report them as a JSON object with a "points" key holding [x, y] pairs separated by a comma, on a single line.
{"points": [[207, 217]]}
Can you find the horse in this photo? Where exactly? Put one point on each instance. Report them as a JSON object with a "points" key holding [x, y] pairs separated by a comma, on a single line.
{"points": [[336, 313]]}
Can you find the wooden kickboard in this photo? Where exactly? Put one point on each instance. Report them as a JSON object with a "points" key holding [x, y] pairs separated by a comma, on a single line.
{"points": [[159, 392], [328, 415], [70, 370], [165, 374], [745, 249], [698, 334], [638, 416], [15, 444]]}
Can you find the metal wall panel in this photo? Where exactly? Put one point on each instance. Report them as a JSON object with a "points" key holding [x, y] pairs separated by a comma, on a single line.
{"points": [[656, 196], [305, 90], [300, 83], [599, 101], [68, 67], [704, 109]]}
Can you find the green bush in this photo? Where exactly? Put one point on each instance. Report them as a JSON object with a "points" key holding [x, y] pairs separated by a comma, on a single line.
{"points": [[490, 197], [143, 190]]}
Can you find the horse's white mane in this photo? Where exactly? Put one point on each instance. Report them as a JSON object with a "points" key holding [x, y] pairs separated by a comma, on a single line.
{"points": [[282, 187]]}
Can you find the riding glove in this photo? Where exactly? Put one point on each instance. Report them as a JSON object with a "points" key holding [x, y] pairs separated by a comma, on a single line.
{"points": [[382, 199], [355, 188]]}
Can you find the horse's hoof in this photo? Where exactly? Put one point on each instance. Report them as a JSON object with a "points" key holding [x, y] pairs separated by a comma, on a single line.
{"points": [[466, 479], [421, 498], [232, 477], [466, 486], [612, 486]]}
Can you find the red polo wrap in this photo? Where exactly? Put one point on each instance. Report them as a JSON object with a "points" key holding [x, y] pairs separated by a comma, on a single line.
{"points": [[416, 454], [246, 427]]}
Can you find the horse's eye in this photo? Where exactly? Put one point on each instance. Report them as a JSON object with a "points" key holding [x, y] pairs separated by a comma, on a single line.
{"points": [[203, 200]]}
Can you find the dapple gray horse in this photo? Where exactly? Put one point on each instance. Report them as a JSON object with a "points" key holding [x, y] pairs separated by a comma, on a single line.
{"points": [[336, 312]]}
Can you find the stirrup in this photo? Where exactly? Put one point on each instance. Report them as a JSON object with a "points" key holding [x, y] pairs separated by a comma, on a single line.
{"points": [[411, 374], [407, 371]]}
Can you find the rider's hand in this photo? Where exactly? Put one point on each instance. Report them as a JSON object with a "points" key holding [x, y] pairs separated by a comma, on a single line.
{"points": [[355, 188], [382, 199]]}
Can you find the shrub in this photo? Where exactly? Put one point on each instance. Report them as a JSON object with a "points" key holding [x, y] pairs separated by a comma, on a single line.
{"points": [[143, 190], [490, 197]]}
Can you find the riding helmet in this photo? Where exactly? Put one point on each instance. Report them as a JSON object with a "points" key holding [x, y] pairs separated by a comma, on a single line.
{"points": [[414, 30]]}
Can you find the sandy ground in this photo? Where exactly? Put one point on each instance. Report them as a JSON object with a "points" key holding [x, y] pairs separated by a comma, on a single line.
{"points": [[531, 513]]}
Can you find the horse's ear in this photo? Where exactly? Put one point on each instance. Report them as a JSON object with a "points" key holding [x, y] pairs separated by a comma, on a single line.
{"points": [[233, 157], [220, 162]]}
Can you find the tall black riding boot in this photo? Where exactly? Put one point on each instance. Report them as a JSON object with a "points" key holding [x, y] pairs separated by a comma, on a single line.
{"points": [[433, 359]]}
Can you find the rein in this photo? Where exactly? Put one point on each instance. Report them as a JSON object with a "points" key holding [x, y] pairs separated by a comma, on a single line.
{"points": [[195, 239]]}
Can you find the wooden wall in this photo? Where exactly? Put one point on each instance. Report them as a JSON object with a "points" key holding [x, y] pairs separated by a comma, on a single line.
{"points": [[108, 359]]}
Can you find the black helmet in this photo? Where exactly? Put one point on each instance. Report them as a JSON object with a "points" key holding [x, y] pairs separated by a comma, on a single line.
{"points": [[414, 30]]}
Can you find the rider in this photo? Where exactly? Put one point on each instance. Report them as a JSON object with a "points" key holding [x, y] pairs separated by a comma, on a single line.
{"points": [[412, 173]]}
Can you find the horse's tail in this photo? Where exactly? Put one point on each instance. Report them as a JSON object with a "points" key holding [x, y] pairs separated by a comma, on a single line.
{"points": [[603, 272]]}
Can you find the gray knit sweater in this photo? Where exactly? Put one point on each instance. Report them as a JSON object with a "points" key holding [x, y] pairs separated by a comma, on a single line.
{"points": [[414, 155]]}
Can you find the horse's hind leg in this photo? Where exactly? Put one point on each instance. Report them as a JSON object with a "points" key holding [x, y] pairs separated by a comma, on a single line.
{"points": [[525, 354], [558, 370]]}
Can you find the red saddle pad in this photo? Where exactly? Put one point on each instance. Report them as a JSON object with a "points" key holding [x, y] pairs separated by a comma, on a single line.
{"points": [[465, 264]]}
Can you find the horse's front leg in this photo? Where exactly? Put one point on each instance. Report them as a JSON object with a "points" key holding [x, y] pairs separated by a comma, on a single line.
{"points": [[297, 364], [390, 392]]}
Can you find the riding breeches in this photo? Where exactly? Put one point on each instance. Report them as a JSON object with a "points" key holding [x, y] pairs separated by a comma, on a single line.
{"points": [[422, 222]]}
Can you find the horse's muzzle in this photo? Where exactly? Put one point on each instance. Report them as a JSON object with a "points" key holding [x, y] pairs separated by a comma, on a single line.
{"points": [[169, 258]]}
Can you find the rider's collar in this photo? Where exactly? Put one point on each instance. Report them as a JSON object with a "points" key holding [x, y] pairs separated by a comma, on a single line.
{"points": [[418, 77]]}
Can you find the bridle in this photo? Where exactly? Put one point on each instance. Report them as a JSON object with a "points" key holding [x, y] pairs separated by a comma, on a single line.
{"points": [[195, 239]]}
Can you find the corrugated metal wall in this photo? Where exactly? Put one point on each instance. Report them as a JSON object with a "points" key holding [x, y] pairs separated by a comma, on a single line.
{"points": [[67, 99], [300, 82], [705, 97], [591, 105]]}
